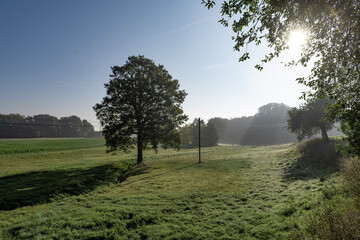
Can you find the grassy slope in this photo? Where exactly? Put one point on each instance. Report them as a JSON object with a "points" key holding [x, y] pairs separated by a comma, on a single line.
{"points": [[237, 193]]}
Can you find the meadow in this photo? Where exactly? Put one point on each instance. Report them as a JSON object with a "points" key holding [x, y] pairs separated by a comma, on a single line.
{"points": [[73, 189]]}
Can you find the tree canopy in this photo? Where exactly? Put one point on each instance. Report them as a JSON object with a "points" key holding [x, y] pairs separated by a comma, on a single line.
{"points": [[143, 106], [333, 43], [309, 119]]}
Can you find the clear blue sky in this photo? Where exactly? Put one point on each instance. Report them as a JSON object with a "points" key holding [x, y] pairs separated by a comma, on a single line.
{"points": [[55, 57]]}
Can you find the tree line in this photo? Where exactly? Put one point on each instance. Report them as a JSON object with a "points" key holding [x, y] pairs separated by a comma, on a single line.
{"points": [[277, 123], [267, 127], [190, 134], [43, 125]]}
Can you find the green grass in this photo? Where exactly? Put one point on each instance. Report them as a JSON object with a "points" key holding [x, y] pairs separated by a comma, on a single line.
{"points": [[13, 146], [76, 191], [338, 215]]}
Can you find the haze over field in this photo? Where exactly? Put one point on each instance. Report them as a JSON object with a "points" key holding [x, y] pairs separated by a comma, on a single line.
{"points": [[56, 56]]}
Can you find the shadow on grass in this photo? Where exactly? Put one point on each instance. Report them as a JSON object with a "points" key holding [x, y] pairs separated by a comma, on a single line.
{"points": [[34, 188], [317, 159], [41, 187], [141, 169], [132, 170]]}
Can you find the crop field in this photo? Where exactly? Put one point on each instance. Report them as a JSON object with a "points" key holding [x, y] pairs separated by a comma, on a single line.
{"points": [[73, 189]]}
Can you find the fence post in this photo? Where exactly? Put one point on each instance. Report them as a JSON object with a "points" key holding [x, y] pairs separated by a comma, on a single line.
{"points": [[199, 142]]}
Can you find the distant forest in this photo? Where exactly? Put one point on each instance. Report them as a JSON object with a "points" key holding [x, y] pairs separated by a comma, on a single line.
{"points": [[267, 127], [44, 125]]}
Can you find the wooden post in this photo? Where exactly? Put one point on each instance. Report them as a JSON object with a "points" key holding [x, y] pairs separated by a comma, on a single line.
{"points": [[199, 142]]}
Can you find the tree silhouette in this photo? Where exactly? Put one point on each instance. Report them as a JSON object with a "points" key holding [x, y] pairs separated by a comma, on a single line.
{"points": [[142, 105], [309, 119]]}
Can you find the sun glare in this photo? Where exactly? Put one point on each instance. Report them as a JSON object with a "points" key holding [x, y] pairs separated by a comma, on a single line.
{"points": [[297, 39]]}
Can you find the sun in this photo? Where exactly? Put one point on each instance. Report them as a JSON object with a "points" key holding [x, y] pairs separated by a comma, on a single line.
{"points": [[297, 39]]}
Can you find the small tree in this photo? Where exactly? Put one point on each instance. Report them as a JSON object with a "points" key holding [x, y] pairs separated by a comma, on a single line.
{"points": [[309, 119], [142, 105]]}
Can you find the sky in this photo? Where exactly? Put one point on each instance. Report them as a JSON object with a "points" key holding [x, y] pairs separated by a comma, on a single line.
{"points": [[55, 57]]}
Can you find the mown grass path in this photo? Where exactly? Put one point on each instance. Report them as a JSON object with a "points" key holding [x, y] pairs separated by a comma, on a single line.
{"points": [[236, 193]]}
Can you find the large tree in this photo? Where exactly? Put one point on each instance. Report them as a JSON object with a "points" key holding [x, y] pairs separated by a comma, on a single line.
{"points": [[309, 119], [143, 106], [333, 43]]}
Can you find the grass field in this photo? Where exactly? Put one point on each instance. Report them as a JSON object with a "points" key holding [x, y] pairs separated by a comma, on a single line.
{"points": [[72, 189]]}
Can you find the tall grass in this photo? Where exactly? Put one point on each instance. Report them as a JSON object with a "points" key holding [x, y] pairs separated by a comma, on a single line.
{"points": [[338, 216]]}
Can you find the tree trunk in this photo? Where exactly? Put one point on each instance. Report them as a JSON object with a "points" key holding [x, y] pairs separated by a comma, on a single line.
{"points": [[140, 151], [324, 134]]}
